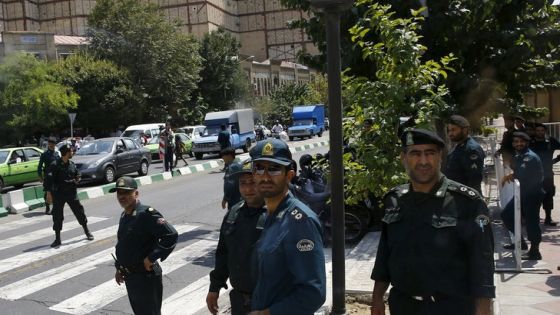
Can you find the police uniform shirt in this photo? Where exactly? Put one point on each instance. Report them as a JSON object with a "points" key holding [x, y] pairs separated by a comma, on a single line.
{"points": [[61, 176], [231, 183], [290, 261], [239, 232], [46, 159], [437, 243], [465, 164], [527, 168], [144, 233], [545, 150]]}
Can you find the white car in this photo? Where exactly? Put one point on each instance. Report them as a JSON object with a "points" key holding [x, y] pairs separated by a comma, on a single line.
{"points": [[193, 131]]}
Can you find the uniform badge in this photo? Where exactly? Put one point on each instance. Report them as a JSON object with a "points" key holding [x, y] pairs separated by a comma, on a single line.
{"points": [[409, 138], [474, 167], [474, 157], [305, 245], [120, 182], [526, 159], [268, 149], [463, 188], [481, 220], [161, 221]]}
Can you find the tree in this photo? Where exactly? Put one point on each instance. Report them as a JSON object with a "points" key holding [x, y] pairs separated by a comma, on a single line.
{"points": [[105, 93], [163, 63], [32, 101]]}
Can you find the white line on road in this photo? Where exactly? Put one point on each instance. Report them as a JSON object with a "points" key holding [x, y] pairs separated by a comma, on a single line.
{"points": [[17, 224], [191, 298]]}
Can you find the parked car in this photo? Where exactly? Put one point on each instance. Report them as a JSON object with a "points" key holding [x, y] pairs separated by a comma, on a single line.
{"points": [[18, 166], [153, 145], [106, 159]]}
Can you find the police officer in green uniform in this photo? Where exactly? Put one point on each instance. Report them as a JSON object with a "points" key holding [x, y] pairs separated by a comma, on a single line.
{"points": [[60, 183], [231, 185], [240, 230], [47, 158], [465, 162], [290, 262], [144, 236], [436, 246]]}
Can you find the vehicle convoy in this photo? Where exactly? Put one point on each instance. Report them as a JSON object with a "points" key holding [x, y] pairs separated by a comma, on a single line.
{"points": [[238, 122], [18, 166], [308, 121]]}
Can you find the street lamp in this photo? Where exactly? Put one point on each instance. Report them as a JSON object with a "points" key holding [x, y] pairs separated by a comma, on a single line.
{"points": [[332, 10]]}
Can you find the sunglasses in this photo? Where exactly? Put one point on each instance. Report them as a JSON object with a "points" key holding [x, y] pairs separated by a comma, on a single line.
{"points": [[272, 170]]}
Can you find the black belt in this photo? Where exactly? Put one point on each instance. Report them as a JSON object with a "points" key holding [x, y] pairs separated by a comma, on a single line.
{"points": [[137, 268], [436, 297]]}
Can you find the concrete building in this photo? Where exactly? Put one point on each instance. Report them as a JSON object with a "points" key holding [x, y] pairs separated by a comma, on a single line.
{"points": [[43, 45]]}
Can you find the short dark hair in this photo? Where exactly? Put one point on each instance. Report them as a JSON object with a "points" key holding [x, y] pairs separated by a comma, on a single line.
{"points": [[227, 151], [223, 127]]}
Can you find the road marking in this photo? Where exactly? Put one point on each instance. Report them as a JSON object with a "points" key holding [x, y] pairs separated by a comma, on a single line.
{"points": [[17, 224], [54, 276], [39, 234], [109, 291], [192, 298]]}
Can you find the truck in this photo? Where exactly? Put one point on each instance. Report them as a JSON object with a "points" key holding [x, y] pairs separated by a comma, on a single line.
{"points": [[238, 122], [307, 121]]}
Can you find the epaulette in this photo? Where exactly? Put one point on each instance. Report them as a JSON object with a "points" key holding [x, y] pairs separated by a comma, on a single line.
{"points": [[463, 190], [234, 211], [398, 190], [297, 214]]}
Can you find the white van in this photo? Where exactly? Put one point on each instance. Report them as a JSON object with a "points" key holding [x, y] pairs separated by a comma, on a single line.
{"points": [[193, 131], [151, 130]]}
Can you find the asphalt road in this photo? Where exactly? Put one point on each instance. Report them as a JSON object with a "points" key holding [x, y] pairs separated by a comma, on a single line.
{"points": [[77, 278]]}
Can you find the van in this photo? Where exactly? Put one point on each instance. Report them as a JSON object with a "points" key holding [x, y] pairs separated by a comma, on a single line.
{"points": [[192, 131], [151, 130]]}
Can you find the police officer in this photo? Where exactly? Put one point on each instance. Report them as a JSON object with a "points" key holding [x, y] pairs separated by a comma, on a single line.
{"points": [[527, 168], [47, 158], [231, 184], [169, 145], [436, 246], [290, 260], [60, 183], [465, 162], [239, 232], [144, 236], [544, 146]]}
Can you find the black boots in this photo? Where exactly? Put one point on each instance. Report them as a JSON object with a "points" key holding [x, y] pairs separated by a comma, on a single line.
{"points": [[89, 236], [48, 209], [548, 218], [512, 246], [56, 242], [533, 253]]}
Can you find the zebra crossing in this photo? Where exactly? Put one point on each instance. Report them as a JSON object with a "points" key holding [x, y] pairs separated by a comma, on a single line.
{"points": [[65, 287]]}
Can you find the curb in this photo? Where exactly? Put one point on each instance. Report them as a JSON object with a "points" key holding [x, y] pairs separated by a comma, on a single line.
{"points": [[3, 211]]}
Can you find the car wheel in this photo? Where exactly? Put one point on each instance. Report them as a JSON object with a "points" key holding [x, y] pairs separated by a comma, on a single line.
{"points": [[109, 174], [320, 134], [198, 156], [247, 146], [143, 168]]}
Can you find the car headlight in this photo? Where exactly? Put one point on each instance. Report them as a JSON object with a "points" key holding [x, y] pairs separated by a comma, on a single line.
{"points": [[94, 165]]}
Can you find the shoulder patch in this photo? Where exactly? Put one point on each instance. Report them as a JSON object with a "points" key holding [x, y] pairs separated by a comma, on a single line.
{"points": [[305, 245], [297, 214]]}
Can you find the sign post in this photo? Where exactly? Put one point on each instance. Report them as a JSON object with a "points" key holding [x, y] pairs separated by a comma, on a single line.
{"points": [[72, 116]]}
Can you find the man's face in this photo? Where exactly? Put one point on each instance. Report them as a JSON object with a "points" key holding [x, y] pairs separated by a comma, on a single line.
{"points": [[228, 158], [127, 198], [272, 179], [540, 133], [456, 133], [422, 162], [51, 145], [248, 190], [520, 144]]}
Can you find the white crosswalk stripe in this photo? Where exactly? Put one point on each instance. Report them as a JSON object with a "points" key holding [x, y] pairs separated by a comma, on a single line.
{"points": [[18, 224], [192, 297]]}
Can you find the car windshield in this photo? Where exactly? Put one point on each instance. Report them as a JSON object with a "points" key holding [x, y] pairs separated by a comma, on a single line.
{"points": [[131, 133], [96, 147], [3, 156], [303, 122], [211, 131]]}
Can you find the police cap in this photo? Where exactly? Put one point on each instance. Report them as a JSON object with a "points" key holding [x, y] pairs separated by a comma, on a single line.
{"points": [[51, 140], [65, 148], [420, 136], [247, 168], [522, 135], [124, 183], [459, 120], [272, 150], [518, 117]]}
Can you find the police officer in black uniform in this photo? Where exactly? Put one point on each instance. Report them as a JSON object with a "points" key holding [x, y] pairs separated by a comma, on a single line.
{"points": [[144, 236], [465, 162], [436, 246], [290, 262], [240, 230], [527, 168], [61, 185], [231, 185], [47, 158], [544, 146]]}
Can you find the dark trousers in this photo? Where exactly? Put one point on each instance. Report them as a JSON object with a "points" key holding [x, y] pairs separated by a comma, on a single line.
{"points": [[144, 292], [402, 304], [48, 206], [240, 302], [168, 159], [71, 198], [549, 192], [530, 209]]}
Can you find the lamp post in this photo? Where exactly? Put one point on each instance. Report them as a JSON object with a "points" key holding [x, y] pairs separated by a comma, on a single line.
{"points": [[332, 10]]}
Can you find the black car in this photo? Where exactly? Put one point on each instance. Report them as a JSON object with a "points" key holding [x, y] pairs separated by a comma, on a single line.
{"points": [[108, 158]]}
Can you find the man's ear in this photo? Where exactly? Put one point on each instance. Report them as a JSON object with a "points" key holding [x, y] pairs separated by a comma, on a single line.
{"points": [[290, 174]]}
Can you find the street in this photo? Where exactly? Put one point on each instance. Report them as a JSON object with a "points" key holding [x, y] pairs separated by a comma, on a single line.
{"points": [[77, 277]]}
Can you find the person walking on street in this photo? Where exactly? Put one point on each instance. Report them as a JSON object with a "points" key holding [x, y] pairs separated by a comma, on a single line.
{"points": [[61, 185], [465, 162], [224, 138], [144, 236], [47, 158], [169, 145], [277, 129], [436, 245], [231, 183], [179, 151], [527, 168], [240, 230], [544, 146], [289, 255]]}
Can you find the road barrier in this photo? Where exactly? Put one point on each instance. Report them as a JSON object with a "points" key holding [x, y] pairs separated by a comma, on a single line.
{"points": [[3, 211], [25, 199]]}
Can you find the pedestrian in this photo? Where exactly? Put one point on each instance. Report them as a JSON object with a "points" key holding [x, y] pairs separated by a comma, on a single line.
{"points": [[436, 245], [527, 168], [231, 183], [506, 145], [61, 185], [179, 151], [47, 158], [169, 147], [144, 236], [465, 161], [239, 232], [224, 137], [544, 146], [289, 256], [277, 129]]}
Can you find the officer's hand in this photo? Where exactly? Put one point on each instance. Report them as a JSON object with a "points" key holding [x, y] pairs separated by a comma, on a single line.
{"points": [[224, 203], [212, 302], [49, 198], [148, 264], [119, 277]]}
